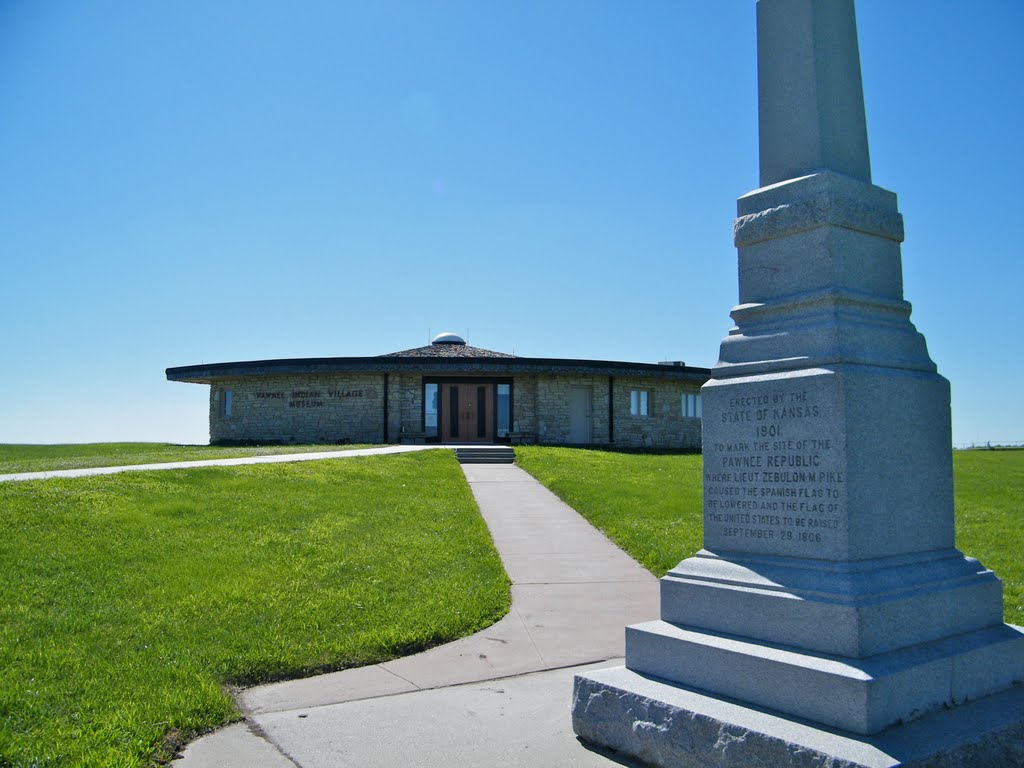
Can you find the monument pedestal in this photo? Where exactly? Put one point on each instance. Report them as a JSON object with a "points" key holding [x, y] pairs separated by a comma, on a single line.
{"points": [[855, 609], [665, 724], [829, 619], [859, 695]]}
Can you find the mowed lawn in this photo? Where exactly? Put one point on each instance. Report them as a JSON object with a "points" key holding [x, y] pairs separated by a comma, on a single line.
{"points": [[128, 602], [15, 457], [989, 489], [651, 505]]}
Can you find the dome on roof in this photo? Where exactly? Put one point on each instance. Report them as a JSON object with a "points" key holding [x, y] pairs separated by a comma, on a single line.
{"points": [[448, 338]]}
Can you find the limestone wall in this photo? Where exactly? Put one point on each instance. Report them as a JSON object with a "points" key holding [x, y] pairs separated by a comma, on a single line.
{"points": [[541, 409], [524, 406], [299, 409], [405, 406], [552, 407], [665, 426], [331, 408]]}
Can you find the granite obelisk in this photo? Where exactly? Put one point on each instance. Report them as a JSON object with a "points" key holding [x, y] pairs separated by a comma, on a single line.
{"points": [[829, 618]]}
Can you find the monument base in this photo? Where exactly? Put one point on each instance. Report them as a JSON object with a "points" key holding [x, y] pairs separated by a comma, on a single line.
{"points": [[673, 727], [861, 696]]}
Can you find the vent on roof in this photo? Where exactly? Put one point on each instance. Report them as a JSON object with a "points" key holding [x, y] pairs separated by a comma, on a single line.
{"points": [[448, 338]]}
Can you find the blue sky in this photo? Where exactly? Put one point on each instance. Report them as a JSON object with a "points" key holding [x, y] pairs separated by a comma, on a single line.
{"points": [[213, 181]]}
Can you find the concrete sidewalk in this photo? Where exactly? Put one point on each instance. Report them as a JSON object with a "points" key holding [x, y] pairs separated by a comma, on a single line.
{"points": [[279, 458], [498, 697]]}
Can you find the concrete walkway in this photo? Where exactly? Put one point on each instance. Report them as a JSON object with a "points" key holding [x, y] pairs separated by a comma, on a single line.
{"points": [[500, 697], [275, 459]]}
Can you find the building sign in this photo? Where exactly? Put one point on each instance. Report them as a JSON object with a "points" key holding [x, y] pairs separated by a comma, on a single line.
{"points": [[308, 398]]}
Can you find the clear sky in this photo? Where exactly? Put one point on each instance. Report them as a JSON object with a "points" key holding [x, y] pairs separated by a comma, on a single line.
{"points": [[188, 182]]}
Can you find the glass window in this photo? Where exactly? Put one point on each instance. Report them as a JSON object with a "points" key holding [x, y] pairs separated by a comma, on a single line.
{"points": [[691, 405], [430, 409], [227, 403], [504, 409], [639, 400]]}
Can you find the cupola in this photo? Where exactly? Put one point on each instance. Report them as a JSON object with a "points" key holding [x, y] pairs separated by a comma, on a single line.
{"points": [[448, 338]]}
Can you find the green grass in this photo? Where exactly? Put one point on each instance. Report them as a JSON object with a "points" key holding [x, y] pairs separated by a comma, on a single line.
{"points": [[990, 518], [651, 505], [42, 458], [128, 601]]}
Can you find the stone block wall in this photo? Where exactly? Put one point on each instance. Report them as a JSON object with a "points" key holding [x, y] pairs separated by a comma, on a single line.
{"points": [[524, 405], [665, 426], [552, 408], [405, 406], [541, 408], [332, 408], [299, 409]]}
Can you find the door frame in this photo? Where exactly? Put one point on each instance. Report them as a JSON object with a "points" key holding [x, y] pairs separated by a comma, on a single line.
{"points": [[491, 382]]}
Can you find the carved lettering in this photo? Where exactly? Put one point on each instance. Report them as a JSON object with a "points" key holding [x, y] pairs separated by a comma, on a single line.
{"points": [[773, 473]]}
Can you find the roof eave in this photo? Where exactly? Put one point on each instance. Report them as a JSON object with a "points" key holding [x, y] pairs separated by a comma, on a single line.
{"points": [[208, 373]]}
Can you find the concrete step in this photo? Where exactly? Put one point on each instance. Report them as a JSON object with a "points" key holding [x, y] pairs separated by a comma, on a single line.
{"points": [[485, 455]]}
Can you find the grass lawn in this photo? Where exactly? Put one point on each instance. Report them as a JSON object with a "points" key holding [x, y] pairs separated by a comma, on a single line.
{"points": [[989, 516], [651, 505], [127, 601], [43, 458]]}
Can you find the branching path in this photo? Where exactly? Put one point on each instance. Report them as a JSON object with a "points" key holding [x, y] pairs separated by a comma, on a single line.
{"points": [[474, 701]]}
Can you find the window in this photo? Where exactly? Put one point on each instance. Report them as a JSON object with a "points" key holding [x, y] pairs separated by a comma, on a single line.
{"points": [[691, 405], [639, 402], [430, 409], [227, 403], [504, 409]]}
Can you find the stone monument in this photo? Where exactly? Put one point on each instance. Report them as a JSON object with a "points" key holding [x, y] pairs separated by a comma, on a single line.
{"points": [[829, 619]]}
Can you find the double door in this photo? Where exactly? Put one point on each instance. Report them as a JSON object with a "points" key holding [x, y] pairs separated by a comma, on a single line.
{"points": [[467, 413]]}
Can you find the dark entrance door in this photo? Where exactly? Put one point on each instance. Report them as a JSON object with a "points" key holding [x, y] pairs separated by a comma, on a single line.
{"points": [[467, 413]]}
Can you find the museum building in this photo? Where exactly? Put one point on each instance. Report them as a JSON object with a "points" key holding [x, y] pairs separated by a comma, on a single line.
{"points": [[450, 392]]}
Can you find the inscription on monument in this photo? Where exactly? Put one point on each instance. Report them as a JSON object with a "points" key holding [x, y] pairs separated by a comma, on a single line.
{"points": [[773, 481]]}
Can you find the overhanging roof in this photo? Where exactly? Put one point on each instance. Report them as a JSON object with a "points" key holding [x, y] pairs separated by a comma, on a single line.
{"points": [[439, 366]]}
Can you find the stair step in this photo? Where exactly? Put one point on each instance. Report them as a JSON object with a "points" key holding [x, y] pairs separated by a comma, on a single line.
{"points": [[485, 455]]}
